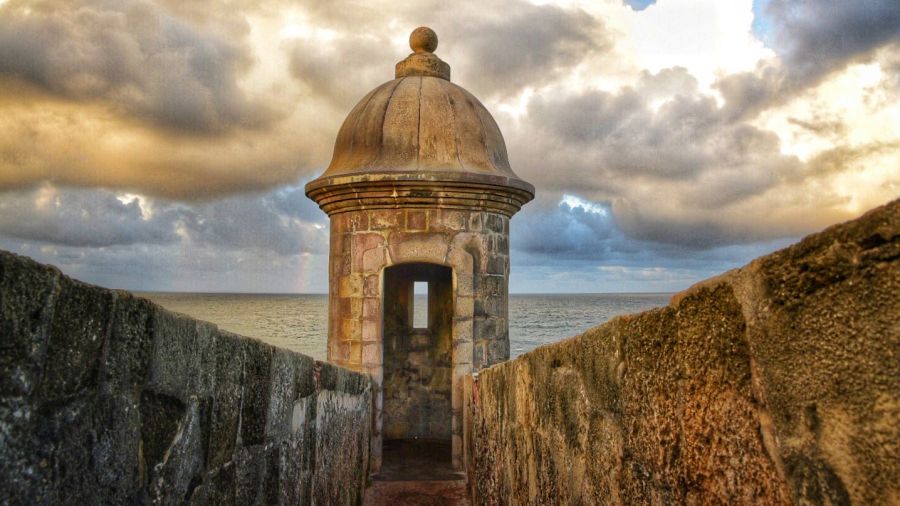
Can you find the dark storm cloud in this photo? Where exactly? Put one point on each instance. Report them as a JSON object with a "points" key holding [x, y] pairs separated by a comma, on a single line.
{"points": [[524, 45], [96, 218], [620, 135], [134, 56], [577, 233], [695, 234], [814, 38], [342, 70], [79, 217], [668, 160], [255, 221], [593, 236]]}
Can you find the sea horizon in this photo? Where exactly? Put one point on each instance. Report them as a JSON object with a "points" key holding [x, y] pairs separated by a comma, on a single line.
{"points": [[326, 293], [299, 321]]}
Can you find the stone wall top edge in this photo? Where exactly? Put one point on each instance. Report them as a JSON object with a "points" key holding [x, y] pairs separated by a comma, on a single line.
{"points": [[28, 263], [873, 221], [884, 213]]}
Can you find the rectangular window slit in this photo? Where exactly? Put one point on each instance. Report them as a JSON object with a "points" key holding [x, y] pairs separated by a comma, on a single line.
{"points": [[420, 305]]}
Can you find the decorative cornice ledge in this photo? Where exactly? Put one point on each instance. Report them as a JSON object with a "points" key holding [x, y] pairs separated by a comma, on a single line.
{"points": [[449, 190]]}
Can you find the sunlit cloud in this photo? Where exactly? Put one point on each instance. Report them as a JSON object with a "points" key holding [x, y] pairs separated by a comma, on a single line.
{"points": [[164, 144]]}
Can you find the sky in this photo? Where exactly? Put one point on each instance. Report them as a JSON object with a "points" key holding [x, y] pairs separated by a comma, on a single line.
{"points": [[163, 145]]}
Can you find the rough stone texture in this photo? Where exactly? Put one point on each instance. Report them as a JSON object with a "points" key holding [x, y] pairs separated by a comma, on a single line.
{"points": [[106, 398], [777, 383]]}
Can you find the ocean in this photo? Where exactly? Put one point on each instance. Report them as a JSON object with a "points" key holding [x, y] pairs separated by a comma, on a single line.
{"points": [[299, 322]]}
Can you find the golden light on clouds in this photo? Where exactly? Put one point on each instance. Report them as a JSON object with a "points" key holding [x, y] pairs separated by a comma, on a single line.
{"points": [[87, 145], [680, 121]]}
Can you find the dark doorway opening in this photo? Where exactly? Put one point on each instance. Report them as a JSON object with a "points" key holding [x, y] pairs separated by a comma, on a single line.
{"points": [[418, 369]]}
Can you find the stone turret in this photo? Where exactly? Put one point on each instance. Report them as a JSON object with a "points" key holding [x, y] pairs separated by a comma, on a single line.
{"points": [[419, 189]]}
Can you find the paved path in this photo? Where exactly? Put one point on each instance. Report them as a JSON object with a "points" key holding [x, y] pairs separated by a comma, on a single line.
{"points": [[417, 493], [417, 473]]}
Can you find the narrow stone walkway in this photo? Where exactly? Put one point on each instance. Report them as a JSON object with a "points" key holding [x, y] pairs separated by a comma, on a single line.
{"points": [[417, 473], [417, 493]]}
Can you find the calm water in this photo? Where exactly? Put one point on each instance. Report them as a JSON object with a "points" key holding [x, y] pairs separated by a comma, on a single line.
{"points": [[299, 322]]}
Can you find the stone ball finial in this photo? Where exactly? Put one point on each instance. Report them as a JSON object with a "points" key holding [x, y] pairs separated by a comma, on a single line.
{"points": [[422, 62], [423, 40]]}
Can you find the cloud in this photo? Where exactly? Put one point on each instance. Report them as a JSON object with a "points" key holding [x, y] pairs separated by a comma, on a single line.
{"points": [[326, 67], [82, 145], [818, 37], [621, 133], [77, 217], [146, 98], [133, 56], [819, 126], [578, 233], [524, 45], [179, 267], [813, 39], [668, 166], [590, 252], [179, 132], [266, 242], [838, 159], [493, 49], [95, 218], [256, 222], [589, 233], [675, 167]]}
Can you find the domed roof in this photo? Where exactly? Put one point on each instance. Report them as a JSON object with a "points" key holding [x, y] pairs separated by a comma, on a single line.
{"points": [[419, 123], [421, 127]]}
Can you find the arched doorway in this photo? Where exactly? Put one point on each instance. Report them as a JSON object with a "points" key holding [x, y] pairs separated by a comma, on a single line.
{"points": [[418, 366]]}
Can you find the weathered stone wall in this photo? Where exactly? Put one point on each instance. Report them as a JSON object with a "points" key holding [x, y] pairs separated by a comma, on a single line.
{"points": [[106, 398], [473, 243], [778, 383]]}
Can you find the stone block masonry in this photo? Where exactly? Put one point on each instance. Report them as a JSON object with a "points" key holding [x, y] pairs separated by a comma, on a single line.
{"points": [[363, 243], [106, 398], [777, 383], [362, 333]]}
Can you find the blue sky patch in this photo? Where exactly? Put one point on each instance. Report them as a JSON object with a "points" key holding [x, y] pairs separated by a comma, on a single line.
{"points": [[639, 5], [762, 23]]}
